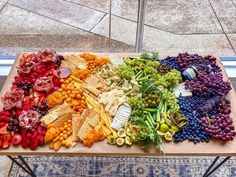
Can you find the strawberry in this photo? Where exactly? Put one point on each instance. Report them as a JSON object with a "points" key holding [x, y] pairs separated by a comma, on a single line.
{"points": [[40, 139], [33, 134], [5, 113], [1, 142], [16, 139], [2, 124], [41, 130], [3, 127], [24, 141], [23, 132], [33, 144], [5, 144], [7, 137], [4, 118]]}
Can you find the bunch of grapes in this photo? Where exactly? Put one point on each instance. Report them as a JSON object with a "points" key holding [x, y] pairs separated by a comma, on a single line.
{"points": [[13, 125], [171, 100], [207, 64], [173, 78], [214, 67], [208, 104], [125, 71], [136, 104], [57, 60], [129, 61], [41, 109], [160, 80], [219, 126], [208, 84], [170, 62], [150, 70], [26, 86], [137, 62], [153, 64], [151, 99]]}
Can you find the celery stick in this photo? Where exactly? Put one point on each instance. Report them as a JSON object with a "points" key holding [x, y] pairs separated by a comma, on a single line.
{"points": [[150, 109], [158, 116]]}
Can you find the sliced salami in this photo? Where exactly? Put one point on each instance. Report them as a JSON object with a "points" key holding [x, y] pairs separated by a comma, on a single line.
{"points": [[27, 67], [46, 56], [28, 119], [12, 98], [43, 84]]}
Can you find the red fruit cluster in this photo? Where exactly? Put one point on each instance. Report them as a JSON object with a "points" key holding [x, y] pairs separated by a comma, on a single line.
{"points": [[31, 67], [27, 138], [33, 138], [8, 138], [4, 119]]}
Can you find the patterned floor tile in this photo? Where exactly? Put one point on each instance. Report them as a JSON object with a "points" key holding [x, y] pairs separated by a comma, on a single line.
{"points": [[179, 17], [158, 40], [102, 5], [76, 15], [232, 38], [226, 12], [24, 22]]}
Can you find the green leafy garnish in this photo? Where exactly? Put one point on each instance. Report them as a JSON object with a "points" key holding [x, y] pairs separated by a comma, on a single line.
{"points": [[148, 86], [152, 56]]}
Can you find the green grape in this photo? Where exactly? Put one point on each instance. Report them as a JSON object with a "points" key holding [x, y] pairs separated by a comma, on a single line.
{"points": [[151, 99], [128, 61], [171, 100], [150, 70], [160, 80], [137, 62], [125, 72], [173, 78], [136, 104], [132, 101], [153, 64]]}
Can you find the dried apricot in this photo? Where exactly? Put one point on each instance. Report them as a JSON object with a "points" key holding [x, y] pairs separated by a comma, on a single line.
{"points": [[48, 137], [57, 145]]}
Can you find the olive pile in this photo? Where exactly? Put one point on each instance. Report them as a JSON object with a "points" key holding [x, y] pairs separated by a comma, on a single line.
{"points": [[151, 100]]}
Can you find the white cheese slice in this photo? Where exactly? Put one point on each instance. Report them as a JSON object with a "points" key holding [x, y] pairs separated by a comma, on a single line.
{"points": [[180, 89]]}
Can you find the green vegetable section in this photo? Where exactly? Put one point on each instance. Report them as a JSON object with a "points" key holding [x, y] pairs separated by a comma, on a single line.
{"points": [[155, 110]]}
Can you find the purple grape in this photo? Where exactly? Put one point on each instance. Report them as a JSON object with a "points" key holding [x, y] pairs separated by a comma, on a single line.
{"points": [[220, 126], [206, 64], [208, 85]]}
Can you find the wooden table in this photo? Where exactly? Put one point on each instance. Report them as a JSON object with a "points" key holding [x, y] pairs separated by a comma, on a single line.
{"points": [[213, 148]]}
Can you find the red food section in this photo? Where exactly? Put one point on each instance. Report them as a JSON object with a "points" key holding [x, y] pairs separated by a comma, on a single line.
{"points": [[25, 103]]}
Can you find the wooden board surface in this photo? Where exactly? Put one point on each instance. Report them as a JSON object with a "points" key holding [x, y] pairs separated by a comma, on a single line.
{"points": [[102, 148]]}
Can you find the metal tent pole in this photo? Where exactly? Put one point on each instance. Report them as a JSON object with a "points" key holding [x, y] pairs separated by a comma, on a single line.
{"points": [[140, 24]]}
